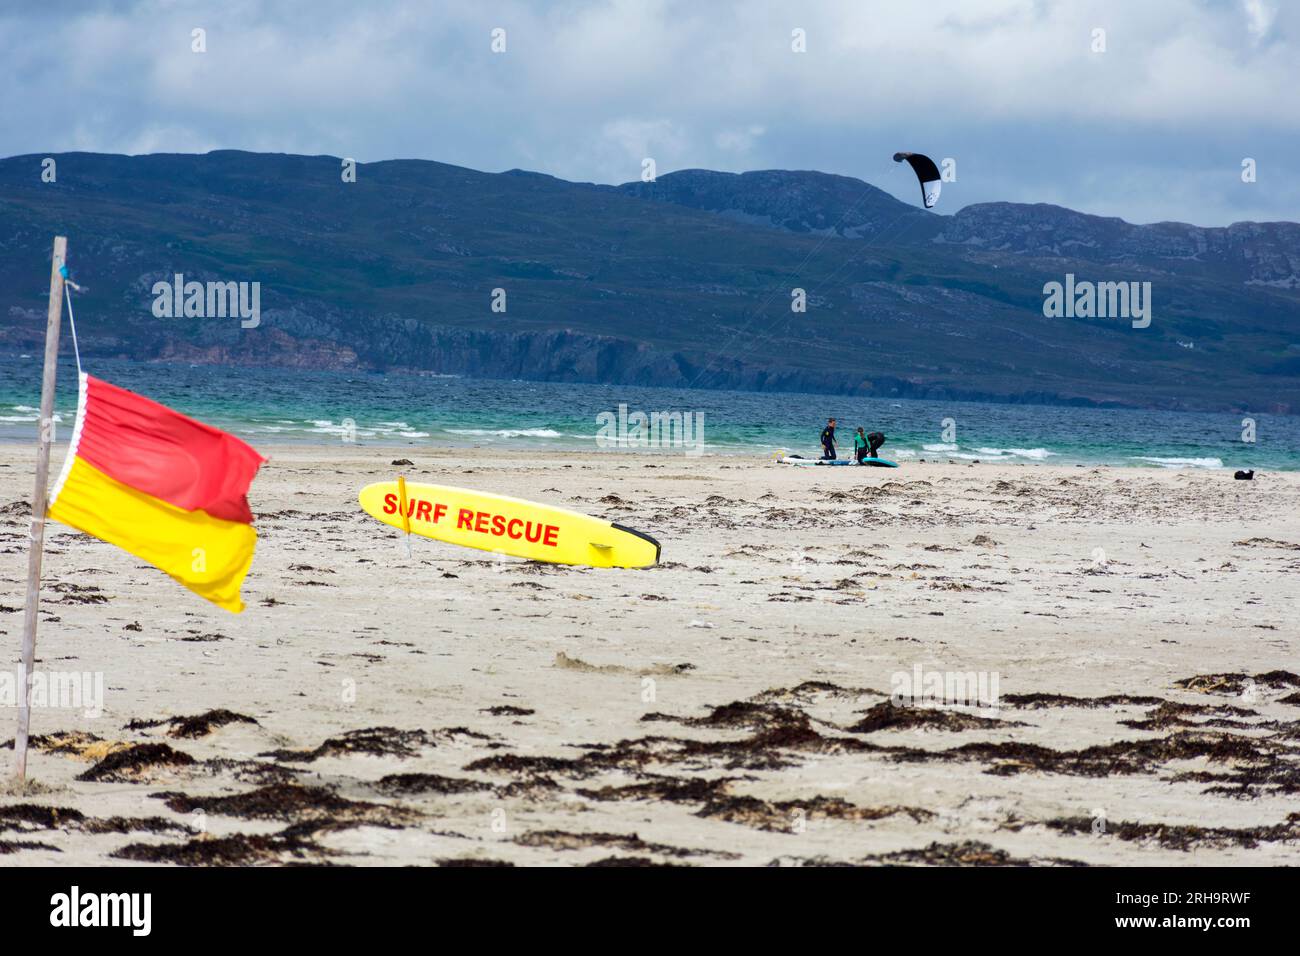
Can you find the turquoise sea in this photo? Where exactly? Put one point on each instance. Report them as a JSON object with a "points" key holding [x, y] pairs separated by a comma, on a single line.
{"points": [[273, 406]]}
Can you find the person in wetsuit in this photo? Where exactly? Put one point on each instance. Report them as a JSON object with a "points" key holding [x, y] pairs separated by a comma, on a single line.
{"points": [[828, 440], [864, 446], [874, 441]]}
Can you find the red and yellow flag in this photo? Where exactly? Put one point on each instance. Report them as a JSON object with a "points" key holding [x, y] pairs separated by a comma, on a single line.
{"points": [[164, 487]]}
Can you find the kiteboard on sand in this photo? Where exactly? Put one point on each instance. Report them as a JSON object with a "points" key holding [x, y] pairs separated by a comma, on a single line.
{"points": [[525, 529], [796, 460]]}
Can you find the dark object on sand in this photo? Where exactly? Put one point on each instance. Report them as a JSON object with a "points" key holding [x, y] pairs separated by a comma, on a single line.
{"points": [[403, 461], [1245, 475]]}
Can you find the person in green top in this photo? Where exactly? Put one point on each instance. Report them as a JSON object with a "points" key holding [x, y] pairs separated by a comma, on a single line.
{"points": [[859, 445], [864, 446]]}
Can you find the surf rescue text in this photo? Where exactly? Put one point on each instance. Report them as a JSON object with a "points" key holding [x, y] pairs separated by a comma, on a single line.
{"points": [[480, 522]]}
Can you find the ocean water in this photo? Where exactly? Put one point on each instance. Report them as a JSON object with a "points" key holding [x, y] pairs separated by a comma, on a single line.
{"points": [[274, 406]]}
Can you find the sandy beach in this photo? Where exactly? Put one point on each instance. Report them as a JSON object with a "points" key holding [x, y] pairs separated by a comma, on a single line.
{"points": [[729, 707]]}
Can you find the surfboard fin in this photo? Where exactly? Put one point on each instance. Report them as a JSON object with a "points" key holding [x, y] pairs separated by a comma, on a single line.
{"points": [[405, 512]]}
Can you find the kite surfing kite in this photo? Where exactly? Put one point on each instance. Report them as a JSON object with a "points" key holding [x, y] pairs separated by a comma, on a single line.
{"points": [[927, 173]]}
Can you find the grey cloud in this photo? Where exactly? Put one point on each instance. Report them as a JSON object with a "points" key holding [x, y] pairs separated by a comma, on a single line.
{"points": [[1154, 128]]}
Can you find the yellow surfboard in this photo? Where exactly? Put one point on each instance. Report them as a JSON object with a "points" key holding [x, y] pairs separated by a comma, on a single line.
{"points": [[526, 529]]}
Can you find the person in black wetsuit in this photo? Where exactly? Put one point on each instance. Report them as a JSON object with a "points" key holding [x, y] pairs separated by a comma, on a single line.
{"points": [[874, 441], [828, 440]]}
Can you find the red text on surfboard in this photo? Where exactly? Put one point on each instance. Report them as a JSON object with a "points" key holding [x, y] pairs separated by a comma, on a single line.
{"points": [[479, 522]]}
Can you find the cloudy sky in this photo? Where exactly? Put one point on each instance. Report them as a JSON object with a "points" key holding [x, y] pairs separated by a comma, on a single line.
{"points": [[1154, 127]]}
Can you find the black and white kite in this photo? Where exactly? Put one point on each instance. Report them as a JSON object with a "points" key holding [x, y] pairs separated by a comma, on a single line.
{"points": [[926, 172]]}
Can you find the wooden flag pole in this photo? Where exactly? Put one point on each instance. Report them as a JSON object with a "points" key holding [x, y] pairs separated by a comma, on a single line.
{"points": [[54, 319]]}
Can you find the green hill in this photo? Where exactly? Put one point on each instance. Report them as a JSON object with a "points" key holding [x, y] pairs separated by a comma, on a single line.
{"points": [[686, 281]]}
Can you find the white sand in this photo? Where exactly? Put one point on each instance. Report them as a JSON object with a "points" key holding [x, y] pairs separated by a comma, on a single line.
{"points": [[1095, 582]]}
